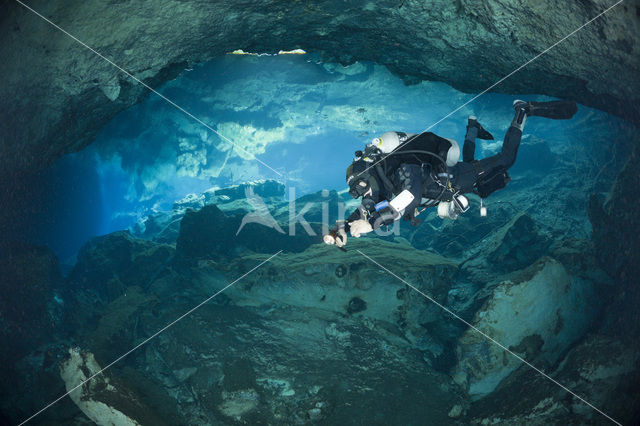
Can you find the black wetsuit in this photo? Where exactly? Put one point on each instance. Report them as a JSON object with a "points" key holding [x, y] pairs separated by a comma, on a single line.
{"points": [[427, 177]]}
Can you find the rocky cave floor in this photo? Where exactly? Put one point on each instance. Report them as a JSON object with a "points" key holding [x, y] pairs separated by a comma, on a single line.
{"points": [[319, 336]]}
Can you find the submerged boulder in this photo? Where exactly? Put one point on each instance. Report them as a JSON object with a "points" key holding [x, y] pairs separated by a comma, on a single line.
{"points": [[537, 313], [205, 233], [601, 369], [266, 188], [281, 364], [109, 264], [160, 227], [210, 233], [511, 247], [190, 201], [118, 324], [102, 399], [517, 245]]}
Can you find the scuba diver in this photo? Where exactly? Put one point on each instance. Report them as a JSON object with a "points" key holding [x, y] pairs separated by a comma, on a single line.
{"points": [[399, 175]]}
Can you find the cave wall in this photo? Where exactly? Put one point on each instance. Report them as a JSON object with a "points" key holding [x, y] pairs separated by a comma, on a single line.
{"points": [[56, 94], [616, 221]]}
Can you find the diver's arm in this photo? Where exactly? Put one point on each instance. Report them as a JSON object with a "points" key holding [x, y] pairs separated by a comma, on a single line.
{"points": [[365, 220], [370, 216], [357, 214], [410, 178], [358, 221], [338, 233], [388, 212]]}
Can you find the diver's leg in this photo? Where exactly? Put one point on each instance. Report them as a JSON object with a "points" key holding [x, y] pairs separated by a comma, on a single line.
{"points": [[474, 130], [511, 144], [558, 110], [469, 147], [507, 156], [494, 167]]}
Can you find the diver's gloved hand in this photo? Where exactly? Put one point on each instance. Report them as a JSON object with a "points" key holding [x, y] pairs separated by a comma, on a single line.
{"points": [[341, 238], [359, 227], [337, 237]]}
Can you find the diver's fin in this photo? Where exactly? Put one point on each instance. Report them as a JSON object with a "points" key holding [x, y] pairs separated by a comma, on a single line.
{"points": [[482, 133], [558, 110]]}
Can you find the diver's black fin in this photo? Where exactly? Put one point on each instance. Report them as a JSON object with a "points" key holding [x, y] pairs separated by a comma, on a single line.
{"points": [[482, 133], [557, 110]]}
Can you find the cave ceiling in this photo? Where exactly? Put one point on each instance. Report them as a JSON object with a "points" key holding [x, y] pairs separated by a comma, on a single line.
{"points": [[56, 94]]}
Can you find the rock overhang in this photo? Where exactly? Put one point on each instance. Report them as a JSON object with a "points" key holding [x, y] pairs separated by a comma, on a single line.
{"points": [[57, 95]]}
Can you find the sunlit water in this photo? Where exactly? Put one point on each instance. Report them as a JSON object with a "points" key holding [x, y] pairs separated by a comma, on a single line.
{"points": [[302, 118]]}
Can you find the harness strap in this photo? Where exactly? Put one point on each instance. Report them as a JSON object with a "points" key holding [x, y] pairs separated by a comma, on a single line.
{"points": [[388, 186]]}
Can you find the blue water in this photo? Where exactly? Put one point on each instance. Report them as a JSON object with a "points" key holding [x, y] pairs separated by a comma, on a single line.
{"points": [[302, 118]]}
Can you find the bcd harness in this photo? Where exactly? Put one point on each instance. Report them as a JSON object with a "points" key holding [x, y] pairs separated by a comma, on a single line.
{"points": [[429, 162]]}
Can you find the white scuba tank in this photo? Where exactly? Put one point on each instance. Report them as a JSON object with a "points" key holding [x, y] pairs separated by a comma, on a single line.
{"points": [[453, 155], [389, 141]]}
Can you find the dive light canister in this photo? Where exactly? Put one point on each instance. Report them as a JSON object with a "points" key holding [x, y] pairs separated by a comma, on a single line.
{"points": [[401, 202], [381, 205]]}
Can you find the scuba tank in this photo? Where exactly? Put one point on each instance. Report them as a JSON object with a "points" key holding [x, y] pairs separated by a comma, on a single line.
{"points": [[387, 152], [428, 150], [418, 149]]}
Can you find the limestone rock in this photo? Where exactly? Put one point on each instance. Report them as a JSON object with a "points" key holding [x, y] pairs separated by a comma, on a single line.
{"points": [[206, 232], [309, 280], [238, 403], [281, 364], [455, 411], [268, 189], [615, 224], [109, 264], [28, 276], [537, 313], [241, 205], [160, 227], [518, 245], [117, 326], [190, 201], [469, 45], [99, 399], [601, 369], [512, 246], [210, 233]]}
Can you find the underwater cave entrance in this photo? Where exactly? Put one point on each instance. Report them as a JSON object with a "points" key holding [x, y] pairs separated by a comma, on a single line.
{"points": [[300, 116], [302, 121]]}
